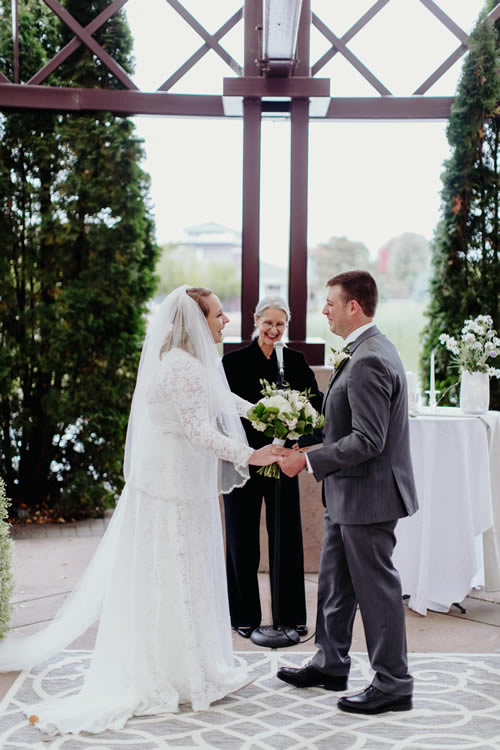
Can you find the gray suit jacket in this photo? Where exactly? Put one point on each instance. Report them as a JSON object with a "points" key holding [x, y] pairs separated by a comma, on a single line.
{"points": [[365, 460]]}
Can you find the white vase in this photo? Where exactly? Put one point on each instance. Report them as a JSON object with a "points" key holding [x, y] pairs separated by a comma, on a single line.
{"points": [[474, 392]]}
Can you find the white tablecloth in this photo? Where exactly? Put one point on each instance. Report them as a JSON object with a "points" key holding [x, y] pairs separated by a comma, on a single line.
{"points": [[437, 548], [491, 538]]}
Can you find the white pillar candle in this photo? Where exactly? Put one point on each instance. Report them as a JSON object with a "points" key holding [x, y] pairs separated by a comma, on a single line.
{"points": [[432, 390]]}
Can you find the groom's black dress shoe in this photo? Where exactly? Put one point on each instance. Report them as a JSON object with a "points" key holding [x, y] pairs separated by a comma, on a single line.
{"points": [[308, 676], [374, 701], [244, 631]]}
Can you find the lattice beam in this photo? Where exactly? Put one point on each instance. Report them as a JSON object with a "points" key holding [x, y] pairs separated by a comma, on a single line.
{"points": [[197, 56], [207, 38], [91, 44], [350, 34], [75, 43]]}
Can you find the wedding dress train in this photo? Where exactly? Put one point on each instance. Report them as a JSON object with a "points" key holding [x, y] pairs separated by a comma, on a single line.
{"points": [[157, 582]]}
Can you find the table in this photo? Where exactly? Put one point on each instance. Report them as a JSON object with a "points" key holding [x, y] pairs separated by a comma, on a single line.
{"points": [[455, 460]]}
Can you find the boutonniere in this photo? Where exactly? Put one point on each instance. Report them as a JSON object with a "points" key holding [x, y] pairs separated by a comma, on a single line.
{"points": [[337, 356]]}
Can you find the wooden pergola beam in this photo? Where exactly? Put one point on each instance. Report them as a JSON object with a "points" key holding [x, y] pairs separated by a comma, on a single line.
{"points": [[61, 99], [296, 87], [390, 108], [14, 96]]}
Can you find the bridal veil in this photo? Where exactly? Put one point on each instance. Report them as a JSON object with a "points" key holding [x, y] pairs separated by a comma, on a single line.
{"points": [[178, 323]]}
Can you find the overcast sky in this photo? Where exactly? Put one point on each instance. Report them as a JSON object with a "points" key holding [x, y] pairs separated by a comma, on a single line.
{"points": [[369, 181]]}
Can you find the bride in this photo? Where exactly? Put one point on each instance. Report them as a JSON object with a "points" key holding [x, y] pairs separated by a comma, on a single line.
{"points": [[157, 583]]}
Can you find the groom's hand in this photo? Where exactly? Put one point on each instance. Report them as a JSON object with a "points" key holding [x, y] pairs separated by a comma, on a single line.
{"points": [[269, 454], [293, 463]]}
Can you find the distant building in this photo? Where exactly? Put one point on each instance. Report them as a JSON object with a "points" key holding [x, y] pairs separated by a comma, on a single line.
{"points": [[215, 243], [212, 243]]}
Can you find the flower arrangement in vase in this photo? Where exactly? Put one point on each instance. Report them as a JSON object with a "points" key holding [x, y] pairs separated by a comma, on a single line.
{"points": [[472, 354]]}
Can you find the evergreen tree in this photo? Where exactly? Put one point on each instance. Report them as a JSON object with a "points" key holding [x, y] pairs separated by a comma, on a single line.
{"points": [[77, 257], [466, 262]]}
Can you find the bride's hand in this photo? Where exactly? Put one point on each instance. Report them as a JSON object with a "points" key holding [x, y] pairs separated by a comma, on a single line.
{"points": [[269, 454]]}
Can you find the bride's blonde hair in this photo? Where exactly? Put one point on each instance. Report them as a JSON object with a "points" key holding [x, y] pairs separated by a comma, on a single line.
{"points": [[182, 336], [199, 294]]}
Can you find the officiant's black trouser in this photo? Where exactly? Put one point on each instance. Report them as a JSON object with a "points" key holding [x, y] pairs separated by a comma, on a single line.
{"points": [[242, 510]]}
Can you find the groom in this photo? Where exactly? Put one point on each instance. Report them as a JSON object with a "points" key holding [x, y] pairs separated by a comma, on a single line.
{"points": [[368, 484]]}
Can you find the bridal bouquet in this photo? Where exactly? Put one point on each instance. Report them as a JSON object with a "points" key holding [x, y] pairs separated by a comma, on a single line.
{"points": [[283, 414], [478, 345]]}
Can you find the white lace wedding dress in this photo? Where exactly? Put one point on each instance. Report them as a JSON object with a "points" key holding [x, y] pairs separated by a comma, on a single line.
{"points": [[164, 636]]}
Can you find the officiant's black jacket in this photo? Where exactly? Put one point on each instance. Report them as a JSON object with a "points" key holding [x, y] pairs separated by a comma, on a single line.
{"points": [[247, 366]]}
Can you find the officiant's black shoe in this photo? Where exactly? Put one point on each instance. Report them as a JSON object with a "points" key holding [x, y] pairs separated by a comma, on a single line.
{"points": [[245, 632], [308, 676], [374, 701]]}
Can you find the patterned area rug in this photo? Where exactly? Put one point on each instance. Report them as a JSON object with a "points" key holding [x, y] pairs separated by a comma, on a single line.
{"points": [[456, 706]]}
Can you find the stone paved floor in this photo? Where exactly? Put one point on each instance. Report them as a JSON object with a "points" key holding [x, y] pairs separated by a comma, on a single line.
{"points": [[48, 560]]}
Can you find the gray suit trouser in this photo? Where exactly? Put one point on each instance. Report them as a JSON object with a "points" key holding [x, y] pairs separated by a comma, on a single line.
{"points": [[356, 567]]}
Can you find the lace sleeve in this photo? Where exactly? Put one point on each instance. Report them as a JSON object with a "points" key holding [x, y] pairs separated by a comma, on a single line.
{"points": [[242, 406], [184, 382]]}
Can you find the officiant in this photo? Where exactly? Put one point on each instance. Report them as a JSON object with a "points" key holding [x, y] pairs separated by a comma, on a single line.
{"points": [[242, 507]]}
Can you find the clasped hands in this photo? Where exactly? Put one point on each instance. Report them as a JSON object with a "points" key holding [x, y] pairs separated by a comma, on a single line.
{"points": [[291, 461]]}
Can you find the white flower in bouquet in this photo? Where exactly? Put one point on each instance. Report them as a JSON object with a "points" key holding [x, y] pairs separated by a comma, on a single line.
{"points": [[477, 346], [277, 402], [283, 414]]}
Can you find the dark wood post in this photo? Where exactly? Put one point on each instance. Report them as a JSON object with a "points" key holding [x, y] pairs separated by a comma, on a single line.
{"points": [[297, 269], [299, 183], [252, 111], [251, 214]]}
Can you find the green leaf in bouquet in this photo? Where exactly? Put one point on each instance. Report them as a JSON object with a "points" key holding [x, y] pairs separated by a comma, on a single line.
{"points": [[308, 429], [300, 426], [271, 410], [269, 432], [281, 430], [259, 409]]}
